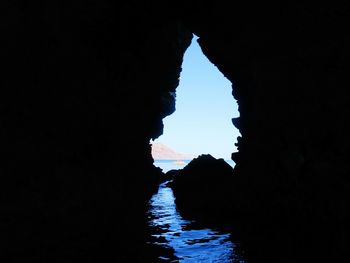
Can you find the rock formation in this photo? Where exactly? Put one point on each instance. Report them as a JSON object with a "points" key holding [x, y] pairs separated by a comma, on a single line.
{"points": [[83, 80], [203, 189], [162, 152]]}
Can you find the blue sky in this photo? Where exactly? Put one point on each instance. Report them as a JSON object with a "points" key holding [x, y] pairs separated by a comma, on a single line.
{"points": [[202, 122]]}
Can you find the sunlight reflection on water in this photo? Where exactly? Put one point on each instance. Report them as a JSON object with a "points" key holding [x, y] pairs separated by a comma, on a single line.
{"points": [[189, 244]]}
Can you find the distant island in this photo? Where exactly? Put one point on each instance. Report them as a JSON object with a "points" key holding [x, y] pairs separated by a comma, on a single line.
{"points": [[162, 152]]}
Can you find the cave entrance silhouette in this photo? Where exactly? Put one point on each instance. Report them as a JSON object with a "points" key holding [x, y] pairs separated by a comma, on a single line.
{"points": [[205, 107]]}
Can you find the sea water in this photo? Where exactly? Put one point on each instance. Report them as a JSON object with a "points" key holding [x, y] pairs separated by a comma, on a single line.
{"points": [[167, 165], [189, 242]]}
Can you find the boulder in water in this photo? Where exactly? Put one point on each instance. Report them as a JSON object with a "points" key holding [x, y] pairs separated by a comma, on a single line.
{"points": [[202, 188]]}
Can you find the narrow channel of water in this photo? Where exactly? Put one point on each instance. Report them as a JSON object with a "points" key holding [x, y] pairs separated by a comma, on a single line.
{"points": [[189, 243]]}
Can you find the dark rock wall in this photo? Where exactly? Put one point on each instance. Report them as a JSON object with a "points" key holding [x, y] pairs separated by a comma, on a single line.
{"points": [[84, 88], [150, 58], [289, 64]]}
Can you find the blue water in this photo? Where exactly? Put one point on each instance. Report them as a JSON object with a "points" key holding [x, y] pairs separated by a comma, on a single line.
{"points": [[189, 242], [167, 165]]}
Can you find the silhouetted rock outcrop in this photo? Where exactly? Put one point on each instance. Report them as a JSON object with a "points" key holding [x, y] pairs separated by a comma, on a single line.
{"points": [[203, 188]]}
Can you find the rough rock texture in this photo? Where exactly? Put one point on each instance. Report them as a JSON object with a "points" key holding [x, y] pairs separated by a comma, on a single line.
{"points": [[81, 80]]}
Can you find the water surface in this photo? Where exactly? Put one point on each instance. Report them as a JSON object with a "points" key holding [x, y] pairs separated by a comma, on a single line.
{"points": [[189, 243], [167, 165]]}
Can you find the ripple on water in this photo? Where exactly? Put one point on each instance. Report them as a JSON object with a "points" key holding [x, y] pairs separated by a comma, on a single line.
{"points": [[189, 244]]}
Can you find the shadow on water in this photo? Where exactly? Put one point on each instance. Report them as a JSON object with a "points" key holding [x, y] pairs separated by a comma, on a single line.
{"points": [[188, 241]]}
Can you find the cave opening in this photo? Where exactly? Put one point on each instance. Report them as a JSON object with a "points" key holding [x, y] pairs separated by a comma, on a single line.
{"points": [[201, 123]]}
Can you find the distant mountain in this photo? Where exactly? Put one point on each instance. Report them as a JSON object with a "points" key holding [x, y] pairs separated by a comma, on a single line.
{"points": [[163, 152]]}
